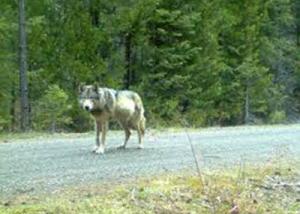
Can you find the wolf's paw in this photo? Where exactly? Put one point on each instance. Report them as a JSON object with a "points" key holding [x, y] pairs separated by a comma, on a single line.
{"points": [[100, 150], [95, 149], [140, 146]]}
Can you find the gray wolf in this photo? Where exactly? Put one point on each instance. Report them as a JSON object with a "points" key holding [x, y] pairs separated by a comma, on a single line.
{"points": [[104, 104]]}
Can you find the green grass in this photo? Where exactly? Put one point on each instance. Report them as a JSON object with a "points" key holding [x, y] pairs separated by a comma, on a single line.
{"points": [[10, 136], [6, 136], [267, 189]]}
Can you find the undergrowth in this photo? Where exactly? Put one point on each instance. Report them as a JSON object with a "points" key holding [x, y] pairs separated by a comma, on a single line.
{"points": [[272, 188]]}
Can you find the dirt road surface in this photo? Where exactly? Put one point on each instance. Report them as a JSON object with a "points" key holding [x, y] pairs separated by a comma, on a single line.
{"points": [[46, 164]]}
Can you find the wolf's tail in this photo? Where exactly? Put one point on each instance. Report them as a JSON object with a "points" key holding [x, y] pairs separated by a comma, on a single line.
{"points": [[139, 108], [139, 112]]}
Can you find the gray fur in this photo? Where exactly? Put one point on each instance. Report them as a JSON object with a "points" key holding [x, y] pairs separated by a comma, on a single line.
{"points": [[105, 104]]}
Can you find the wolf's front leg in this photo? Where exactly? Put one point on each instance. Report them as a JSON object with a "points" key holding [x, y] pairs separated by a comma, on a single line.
{"points": [[97, 129], [104, 128]]}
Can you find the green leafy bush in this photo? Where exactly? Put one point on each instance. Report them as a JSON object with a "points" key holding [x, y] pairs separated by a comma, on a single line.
{"points": [[277, 117], [50, 110]]}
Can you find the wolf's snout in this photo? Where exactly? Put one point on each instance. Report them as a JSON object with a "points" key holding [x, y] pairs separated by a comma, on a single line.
{"points": [[87, 105]]}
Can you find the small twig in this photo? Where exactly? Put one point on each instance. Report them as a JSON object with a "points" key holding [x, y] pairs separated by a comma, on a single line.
{"points": [[194, 155], [241, 172], [193, 152], [133, 195]]}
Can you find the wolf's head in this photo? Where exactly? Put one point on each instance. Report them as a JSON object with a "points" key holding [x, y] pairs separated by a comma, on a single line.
{"points": [[91, 97]]}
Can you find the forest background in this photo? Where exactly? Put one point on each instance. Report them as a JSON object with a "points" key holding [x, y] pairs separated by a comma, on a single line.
{"points": [[194, 62]]}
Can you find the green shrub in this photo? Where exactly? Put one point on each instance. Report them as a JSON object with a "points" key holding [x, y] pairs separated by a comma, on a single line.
{"points": [[49, 112], [277, 117]]}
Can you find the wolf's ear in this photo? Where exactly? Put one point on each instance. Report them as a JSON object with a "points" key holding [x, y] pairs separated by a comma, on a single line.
{"points": [[96, 87], [81, 87]]}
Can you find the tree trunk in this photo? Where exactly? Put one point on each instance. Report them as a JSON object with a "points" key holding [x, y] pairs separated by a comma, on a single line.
{"points": [[128, 53], [247, 114], [12, 109], [53, 126], [23, 68], [94, 13], [297, 6]]}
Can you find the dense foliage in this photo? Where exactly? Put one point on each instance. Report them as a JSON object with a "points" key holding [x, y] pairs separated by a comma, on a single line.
{"points": [[195, 62], [52, 109]]}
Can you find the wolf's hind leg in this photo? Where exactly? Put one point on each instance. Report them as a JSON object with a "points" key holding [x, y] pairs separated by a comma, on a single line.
{"points": [[141, 132], [127, 135], [140, 136]]}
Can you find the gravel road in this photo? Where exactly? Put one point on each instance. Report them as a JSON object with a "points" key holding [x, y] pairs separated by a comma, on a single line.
{"points": [[42, 165]]}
